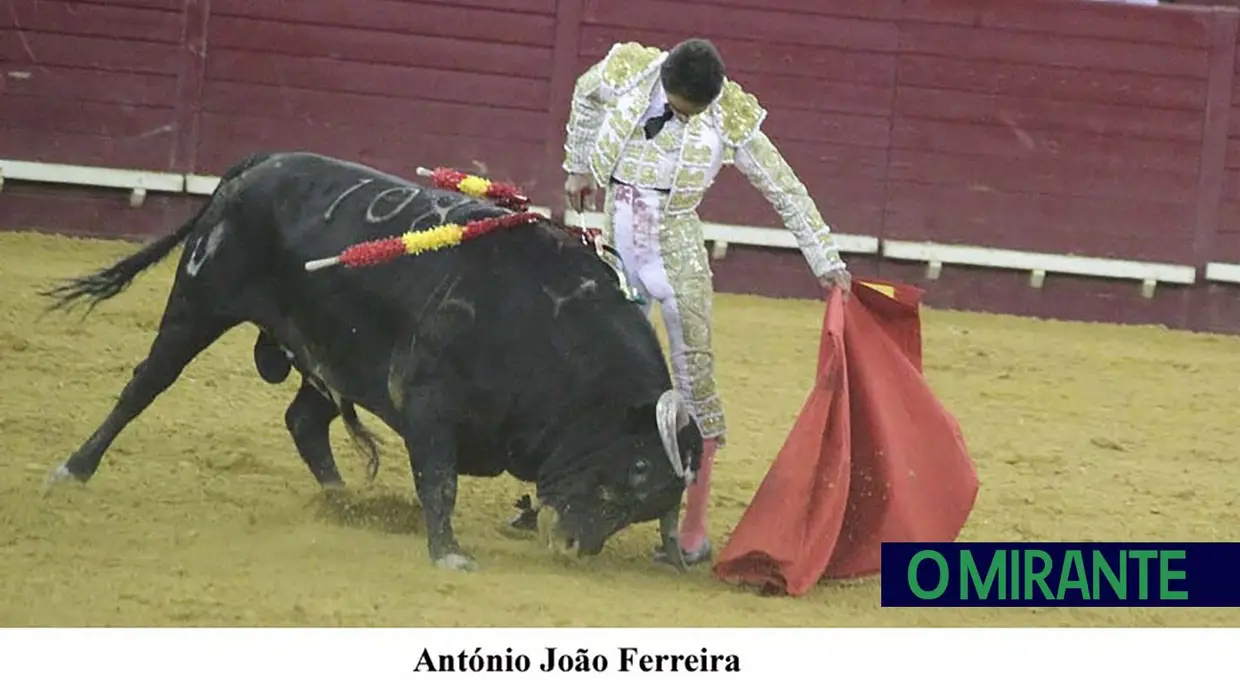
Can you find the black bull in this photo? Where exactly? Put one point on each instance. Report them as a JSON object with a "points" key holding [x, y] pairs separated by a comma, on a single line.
{"points": [[514, 352]]}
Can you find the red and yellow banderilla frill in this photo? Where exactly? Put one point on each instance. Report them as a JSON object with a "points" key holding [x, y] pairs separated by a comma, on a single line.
{"points": [[502, 193], [417, 241], [414, 242]]}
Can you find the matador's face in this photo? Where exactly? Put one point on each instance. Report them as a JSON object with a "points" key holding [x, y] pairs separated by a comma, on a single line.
{"points": [[684, 108]]}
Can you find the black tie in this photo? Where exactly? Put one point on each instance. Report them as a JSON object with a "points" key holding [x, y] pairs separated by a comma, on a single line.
{"points": [[654, 124]]}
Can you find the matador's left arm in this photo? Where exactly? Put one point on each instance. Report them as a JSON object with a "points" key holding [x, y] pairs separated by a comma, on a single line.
{"points": [[763, 165], [739, 117]]}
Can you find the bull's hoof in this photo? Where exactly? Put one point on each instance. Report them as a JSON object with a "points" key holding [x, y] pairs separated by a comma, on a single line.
{"points": [[62, 475], [456, 561], [692, 557]]}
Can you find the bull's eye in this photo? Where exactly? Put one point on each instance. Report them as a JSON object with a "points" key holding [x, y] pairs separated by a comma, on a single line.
{"points": [[640, 472]]}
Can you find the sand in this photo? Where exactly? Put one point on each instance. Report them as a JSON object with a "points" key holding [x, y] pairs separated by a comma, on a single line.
{"points": [[202, 513]]}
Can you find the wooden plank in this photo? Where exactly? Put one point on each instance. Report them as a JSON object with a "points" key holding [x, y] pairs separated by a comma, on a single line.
{"points": [[192, 75], [1005, 141], [1229, 214], [1022, 260], [31, 50], [399, 115], [561, 86], [351, 77], [381, 47], [766, 58], [85, 149], [1235, 90], [60, 173], [91, 118], [830, 161], [1068, 18], [169, 5], [538, 7], [1060, 51], [1231, 184], [108, 21], [813, 30], [419, 18], [77, 84], [826, 127], [1147, 231], [1044, 82], [851, 205], [860, 9], [1233, 143], [778, 92], [90, 211], [1216, 121], [1112, 180], [1227, 244], [1046, 114], [226, 139]]}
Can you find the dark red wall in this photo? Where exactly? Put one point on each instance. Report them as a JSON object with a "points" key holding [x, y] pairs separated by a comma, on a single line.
{"points": [[1059, 126]]}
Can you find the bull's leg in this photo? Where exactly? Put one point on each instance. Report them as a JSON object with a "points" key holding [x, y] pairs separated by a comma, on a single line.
{"points": [[431, 443], [180, 339], [308, 418]]}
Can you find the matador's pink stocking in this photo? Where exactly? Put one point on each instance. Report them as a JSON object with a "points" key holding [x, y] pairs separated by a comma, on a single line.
{"points": [[693, 529]]}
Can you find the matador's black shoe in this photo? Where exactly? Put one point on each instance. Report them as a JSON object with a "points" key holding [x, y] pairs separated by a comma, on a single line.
{"points": [[525, 522]]}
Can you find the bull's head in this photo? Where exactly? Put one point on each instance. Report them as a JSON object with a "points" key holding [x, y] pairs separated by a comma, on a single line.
{"points": [[638, 473]]}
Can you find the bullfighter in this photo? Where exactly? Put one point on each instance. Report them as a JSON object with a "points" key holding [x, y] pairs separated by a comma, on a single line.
{"points": [[652, 128]]}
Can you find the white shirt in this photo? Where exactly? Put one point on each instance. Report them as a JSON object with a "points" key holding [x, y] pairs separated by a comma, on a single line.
{"points": [[658, 100]]}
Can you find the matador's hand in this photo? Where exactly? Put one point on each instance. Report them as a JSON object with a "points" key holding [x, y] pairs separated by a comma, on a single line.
{"points": [[839, 278], [579, 190]]}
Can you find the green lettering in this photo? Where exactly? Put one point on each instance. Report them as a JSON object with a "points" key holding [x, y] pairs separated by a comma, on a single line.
{"points": [[1073, 562], [1166, 575], [912, 574], [1038, 577], [1143, 571], [1015, 580], [1103, 568], [969, 576]]}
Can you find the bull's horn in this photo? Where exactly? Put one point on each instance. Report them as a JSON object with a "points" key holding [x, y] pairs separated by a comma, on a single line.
{"points": [[672, 415], [671, 541]]}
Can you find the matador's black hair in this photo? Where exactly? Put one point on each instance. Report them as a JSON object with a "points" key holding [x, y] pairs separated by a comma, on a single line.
{"points": [[693, 70]]}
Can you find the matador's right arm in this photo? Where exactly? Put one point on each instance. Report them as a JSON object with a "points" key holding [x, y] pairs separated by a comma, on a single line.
{"points": [[584, 119], [598, 89]]}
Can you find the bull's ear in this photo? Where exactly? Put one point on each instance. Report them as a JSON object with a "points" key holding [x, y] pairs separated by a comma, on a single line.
{"points": [[692, 445]]}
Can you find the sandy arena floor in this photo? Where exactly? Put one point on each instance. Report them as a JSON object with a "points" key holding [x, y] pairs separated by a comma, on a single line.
{"points": [[202, 514]]}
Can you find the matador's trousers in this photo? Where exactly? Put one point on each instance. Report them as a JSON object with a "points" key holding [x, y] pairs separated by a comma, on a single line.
{"points": [[665, 260]]}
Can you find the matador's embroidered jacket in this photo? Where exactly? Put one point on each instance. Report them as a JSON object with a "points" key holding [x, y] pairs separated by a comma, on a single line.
{"points": [[610, 98]]}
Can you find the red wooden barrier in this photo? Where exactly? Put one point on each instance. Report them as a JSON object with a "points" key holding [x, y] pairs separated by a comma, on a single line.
{"points": [[1058, 126]]}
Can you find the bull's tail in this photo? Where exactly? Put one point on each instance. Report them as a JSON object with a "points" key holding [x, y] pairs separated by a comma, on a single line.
{"points": [[366, 441], [110, 282]]}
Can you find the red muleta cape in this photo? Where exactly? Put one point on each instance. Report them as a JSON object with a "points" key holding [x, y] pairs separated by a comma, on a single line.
{"points": [[873, 457]]}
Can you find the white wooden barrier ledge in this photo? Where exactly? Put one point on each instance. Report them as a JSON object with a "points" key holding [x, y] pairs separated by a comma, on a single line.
{"points": [[719, 235], [1038, 264], [137, 181], [934, 255], [1223, 273]]}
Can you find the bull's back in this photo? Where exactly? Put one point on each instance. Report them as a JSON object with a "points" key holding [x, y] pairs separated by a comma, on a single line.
{"points": [[516, 313]]}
